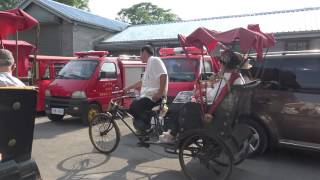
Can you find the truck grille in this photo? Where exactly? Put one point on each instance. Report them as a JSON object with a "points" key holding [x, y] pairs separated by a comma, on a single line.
{"points": [[59, 102]]}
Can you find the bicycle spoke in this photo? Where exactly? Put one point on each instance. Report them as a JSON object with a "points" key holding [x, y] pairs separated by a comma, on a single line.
{"points": [[104, 133]]}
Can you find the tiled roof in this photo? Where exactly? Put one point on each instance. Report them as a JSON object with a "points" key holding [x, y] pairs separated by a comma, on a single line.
{"points": [[79, 15], [306, 19]]}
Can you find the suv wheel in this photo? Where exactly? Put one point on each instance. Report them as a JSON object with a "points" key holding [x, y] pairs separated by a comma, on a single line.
{"points": [[93, 110], [259, 141], [54, 117]]}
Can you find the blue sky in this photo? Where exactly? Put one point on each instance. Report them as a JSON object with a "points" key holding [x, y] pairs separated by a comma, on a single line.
{"points": [[187, 9]]}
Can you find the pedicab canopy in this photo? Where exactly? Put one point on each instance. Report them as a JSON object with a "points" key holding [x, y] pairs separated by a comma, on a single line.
{"points": [[249, 38], [14, 20]]}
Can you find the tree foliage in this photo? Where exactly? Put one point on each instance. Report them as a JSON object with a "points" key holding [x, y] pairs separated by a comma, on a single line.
{"points": [[81, 4], [146, 13], [8, 4]]}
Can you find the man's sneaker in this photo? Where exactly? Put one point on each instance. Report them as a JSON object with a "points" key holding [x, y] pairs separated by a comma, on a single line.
{"points": [[166, 137]]}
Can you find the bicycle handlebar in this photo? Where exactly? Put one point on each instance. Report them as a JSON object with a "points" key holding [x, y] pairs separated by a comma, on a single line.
{"points": [[123, 96]]}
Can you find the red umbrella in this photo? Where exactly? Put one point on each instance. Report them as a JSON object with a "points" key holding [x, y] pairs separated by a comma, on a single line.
{"points": [[248, 38], [15, 20]]}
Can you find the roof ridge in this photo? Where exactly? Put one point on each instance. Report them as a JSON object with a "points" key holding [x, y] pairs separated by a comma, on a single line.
{"points": [[86, 12], [234, 16]]}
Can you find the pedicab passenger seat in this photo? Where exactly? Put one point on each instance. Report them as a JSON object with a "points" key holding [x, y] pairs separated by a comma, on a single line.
{"points": [[237, 102], [226, 118], [225, 122], [17, 116]]}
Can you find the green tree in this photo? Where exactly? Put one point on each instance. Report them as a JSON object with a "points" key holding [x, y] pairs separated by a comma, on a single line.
{"points": [[146, 13], [81, 4], [8, 4]]}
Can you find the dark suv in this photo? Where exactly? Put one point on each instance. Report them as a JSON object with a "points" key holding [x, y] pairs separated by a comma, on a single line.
{"points": [[287, 105]]}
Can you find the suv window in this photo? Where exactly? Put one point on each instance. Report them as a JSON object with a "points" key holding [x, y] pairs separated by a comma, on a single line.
{"points": [[300, 73], [268, 71], [109, 69]]}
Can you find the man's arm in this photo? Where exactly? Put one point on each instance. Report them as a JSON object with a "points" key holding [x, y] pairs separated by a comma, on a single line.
{"points": [[136, 85], [161, 91]]}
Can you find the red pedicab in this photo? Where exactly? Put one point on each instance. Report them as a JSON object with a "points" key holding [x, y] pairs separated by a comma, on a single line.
{"points": [[211, 139], [220, 139]]}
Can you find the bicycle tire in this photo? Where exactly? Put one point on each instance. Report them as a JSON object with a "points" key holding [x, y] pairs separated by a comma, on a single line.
{"points": [[107, 120], [188, 141]]}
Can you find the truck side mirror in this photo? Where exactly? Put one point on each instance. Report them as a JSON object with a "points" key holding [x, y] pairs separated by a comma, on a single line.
{"points": [[206, 76]]}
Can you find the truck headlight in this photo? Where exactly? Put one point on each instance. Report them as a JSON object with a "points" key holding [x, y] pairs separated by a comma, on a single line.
{"points": [[79, 94], [47, 93]]}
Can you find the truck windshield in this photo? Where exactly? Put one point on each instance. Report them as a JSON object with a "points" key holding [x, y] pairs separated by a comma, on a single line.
{"points": [[181, 69], [78, 69]]}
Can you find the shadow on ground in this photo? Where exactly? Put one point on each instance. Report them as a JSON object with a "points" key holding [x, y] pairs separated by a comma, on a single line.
{"points": [[135, 160]]}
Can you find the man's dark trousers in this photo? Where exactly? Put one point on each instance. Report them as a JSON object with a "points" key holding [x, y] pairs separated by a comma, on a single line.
{"points": [[139, 110]]}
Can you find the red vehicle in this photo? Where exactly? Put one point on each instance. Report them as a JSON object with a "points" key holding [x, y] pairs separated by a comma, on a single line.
{"points": [[84, 86], [46, 69], [40, 72], [184, 68]]}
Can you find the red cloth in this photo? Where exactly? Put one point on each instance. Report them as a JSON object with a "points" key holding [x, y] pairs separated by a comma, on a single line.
{"points": [[203, 37], [248, 38], [184, 42], [15, 20]]}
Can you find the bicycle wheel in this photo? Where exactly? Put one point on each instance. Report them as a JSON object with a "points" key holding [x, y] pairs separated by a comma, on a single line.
{"points": [[104, 133], [205, 157]]}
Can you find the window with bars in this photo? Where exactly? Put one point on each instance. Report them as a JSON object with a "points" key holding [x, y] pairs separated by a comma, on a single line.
{"points": [[297, 45]]}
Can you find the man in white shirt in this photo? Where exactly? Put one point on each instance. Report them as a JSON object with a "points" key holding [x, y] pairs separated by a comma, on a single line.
{"points": [[6, 67], [154, 86]]}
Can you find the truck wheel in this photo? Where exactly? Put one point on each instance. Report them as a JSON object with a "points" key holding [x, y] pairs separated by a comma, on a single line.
{"points": [[54, 117], [93, 110], [259, 141]]}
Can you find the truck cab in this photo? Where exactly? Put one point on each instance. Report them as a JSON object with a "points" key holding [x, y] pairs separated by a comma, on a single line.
{"points": [[84, 86], [184, 67]]}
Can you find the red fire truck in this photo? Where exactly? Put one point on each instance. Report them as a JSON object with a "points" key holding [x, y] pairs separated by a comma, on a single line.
{"points": [[84, 86]]}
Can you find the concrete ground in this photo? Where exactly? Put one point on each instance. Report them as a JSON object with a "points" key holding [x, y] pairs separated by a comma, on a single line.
{"points": [[63, 151]]}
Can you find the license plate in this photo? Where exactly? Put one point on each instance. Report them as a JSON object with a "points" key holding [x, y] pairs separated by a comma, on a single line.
{"points": [[58, 111]]}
